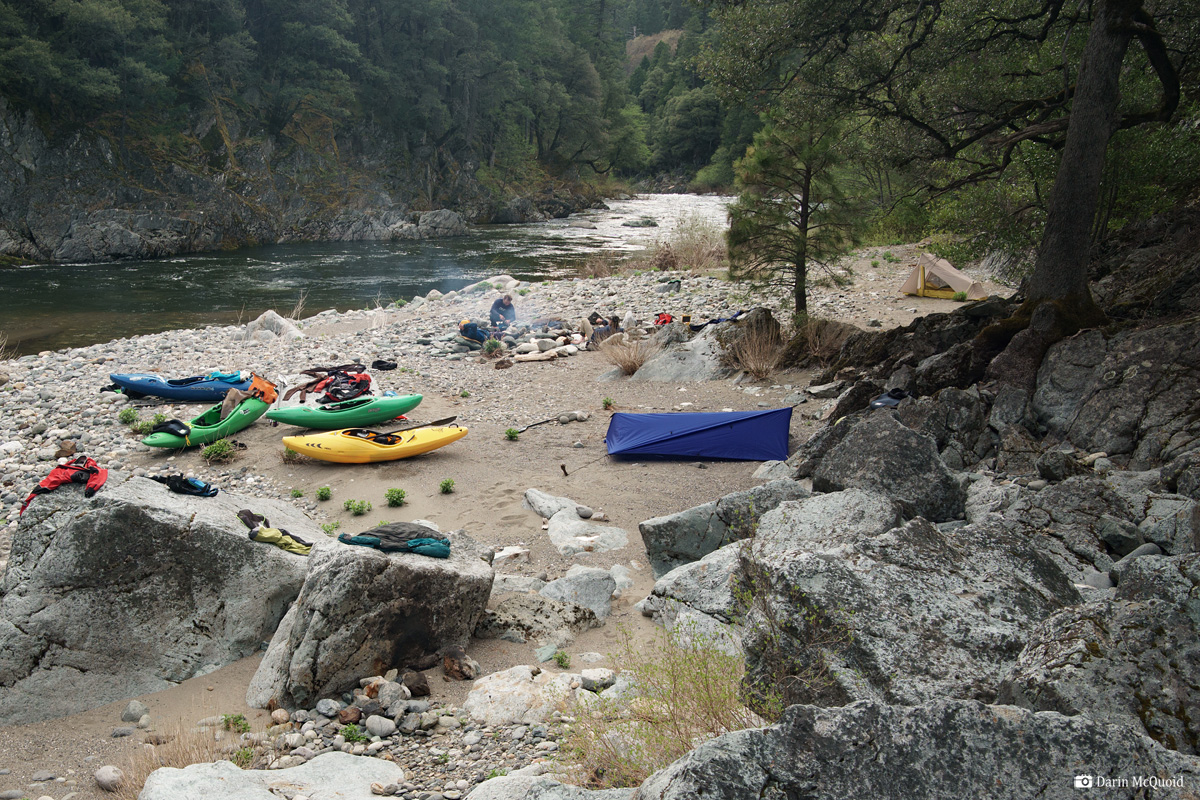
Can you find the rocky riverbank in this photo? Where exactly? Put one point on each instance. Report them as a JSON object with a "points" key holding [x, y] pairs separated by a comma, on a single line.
{"points": [[52, 398]]}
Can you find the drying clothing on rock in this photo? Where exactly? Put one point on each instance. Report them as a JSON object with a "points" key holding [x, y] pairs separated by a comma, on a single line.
{"points": [[343, 382], [401, 537], [699, 326], [891, 399], [80, 470], [182, 485], [261, 531]]}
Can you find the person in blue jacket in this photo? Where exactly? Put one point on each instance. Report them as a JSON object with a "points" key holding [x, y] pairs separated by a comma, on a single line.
{"points": [[503, 313]]}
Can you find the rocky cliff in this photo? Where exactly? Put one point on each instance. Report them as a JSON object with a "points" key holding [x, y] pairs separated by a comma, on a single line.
{"points": [[92, 195]]}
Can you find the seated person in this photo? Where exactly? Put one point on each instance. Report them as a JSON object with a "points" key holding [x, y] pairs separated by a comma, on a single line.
{"points": [[471, 330], [503, 313], [606, 329]]}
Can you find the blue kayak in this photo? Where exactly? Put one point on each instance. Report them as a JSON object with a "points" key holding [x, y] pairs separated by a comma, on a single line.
{"points": [[201, 388]]}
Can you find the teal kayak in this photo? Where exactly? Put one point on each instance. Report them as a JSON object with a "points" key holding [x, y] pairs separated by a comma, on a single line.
{"points": [[208, 427], [357, 413]]}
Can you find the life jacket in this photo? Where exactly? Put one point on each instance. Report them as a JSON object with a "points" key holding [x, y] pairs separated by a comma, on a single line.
{"points": [[663, 319], [81, 470], [262, 388]]}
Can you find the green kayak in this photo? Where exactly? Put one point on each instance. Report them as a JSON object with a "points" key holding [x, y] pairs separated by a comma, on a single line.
{"points": [[208, 427], [356, 413]]}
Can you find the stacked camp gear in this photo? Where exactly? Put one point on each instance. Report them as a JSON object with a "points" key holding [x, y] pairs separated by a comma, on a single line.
{"points": [[344, 382]]}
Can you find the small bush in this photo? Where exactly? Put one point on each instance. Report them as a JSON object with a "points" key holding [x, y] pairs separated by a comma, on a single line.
{"points": [[464, 393], [493, 348], [511, 434], [628, 356], [756, 351], [142, 428], [291, 457], [235, 722], [496, 772], [357, 507], [608, 403], [446, 486], [522, 292], [562, 659], [324, 493], [128, 416], [330, 527], [689, 691], [960, 297], [158, 419], [297, 493], [243, 757], [874, 262], [395, 497], [219, 452], [353, 733]]}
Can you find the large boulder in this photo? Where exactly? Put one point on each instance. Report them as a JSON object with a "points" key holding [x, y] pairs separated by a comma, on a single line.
{"points": [[899, 614], [691, 534], [440, 224], [134, 590], [947, 748], [1133, 660], [569, 532], [702, 600], [362, 612], [1130, 395], [882, 454], [269, 326], [332, 775], [700, 359]]}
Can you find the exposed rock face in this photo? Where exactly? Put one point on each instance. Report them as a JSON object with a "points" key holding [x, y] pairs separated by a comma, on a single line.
{"points": [[269, 326], [1130, 395], [691, 534], [1085, 523], [134, 590], [949, 748], [363, 612], [1134, 660], [899, 614], [880, 453]]}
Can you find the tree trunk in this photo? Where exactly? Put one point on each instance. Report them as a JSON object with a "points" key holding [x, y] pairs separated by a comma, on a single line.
{"points": [[1061, 271]]}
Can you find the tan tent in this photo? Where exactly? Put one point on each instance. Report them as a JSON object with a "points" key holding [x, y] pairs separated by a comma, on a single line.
{"points": [[935, 277]]}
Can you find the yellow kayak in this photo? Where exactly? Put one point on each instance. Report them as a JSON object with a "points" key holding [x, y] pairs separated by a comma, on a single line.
{"points": [[361, 446]]}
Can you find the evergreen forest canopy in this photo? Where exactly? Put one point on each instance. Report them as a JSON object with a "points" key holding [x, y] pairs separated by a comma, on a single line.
{"points": [[520, 87]]}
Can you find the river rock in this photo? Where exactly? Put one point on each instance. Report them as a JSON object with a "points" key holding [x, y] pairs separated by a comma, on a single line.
{"points": [[589, 587], [946, 748], [699, 359], [533, 617], [339, 775], [882, 454], [1133, 660], [688, 535], [181, 590], [362, 612], [899, 615]]}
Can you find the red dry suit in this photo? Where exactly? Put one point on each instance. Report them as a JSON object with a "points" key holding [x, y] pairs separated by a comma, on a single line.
{"points": [[80, 470]]}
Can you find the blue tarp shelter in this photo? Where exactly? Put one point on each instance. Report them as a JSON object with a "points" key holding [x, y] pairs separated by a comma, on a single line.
{"points": [[746, 435]]}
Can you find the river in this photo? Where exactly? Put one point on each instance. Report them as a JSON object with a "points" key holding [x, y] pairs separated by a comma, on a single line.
{"points": [[48, 307]]}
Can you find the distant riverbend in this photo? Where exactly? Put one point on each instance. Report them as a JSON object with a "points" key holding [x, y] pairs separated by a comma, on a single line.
{"points": [[49, 307]]}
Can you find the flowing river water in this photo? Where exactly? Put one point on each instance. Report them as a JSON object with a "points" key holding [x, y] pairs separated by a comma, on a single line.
{"points": [[48, 307]]}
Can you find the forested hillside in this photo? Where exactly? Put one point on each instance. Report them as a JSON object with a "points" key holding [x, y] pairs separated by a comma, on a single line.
{"points": [[510, 84]]}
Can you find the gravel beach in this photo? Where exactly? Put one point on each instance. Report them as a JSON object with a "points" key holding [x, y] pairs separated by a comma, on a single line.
{"points": [[53, 398]]}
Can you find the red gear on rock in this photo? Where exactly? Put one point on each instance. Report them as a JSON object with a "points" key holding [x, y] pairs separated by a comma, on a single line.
{"points": [[81, 470]]}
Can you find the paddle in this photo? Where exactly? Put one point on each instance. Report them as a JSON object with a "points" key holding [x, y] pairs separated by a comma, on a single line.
{"points": [[534, 424]]}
